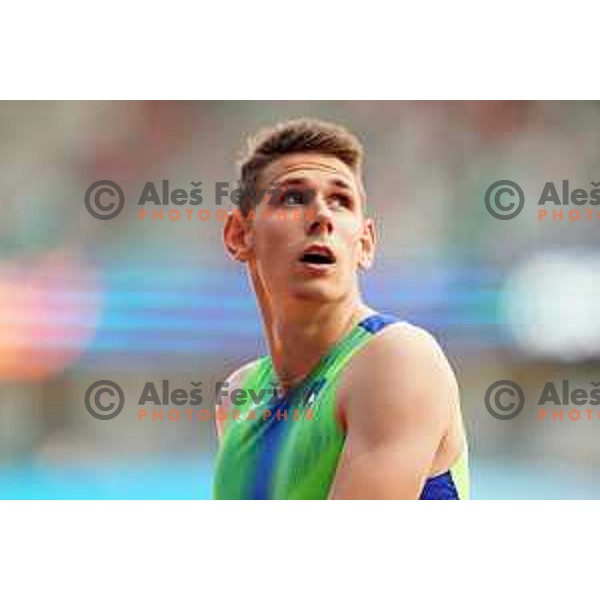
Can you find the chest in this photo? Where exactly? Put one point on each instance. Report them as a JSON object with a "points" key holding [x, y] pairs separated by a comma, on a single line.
{"points": [[286, 448]]}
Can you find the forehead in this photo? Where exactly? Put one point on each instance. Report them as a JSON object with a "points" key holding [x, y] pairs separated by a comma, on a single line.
{"points": [[318, 167]]}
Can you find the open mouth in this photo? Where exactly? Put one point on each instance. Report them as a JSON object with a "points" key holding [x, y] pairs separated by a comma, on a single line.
{"points": [[320, 255]]}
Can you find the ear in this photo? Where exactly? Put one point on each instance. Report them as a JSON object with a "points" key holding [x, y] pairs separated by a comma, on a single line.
{"points": [[368, 242], [237, 236]]}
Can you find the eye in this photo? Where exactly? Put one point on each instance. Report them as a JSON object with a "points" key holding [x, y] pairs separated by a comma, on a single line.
{"points": [[342, 200], [292, 197]]}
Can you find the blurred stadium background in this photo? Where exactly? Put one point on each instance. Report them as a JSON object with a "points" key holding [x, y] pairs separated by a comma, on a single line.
{"points": [[134, 301]]}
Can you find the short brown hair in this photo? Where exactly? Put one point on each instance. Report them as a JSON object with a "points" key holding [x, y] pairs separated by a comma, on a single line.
{"points": [[298, 135]]}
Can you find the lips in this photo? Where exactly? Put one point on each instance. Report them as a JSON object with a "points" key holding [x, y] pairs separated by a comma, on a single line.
{"points": [[318, 254]]}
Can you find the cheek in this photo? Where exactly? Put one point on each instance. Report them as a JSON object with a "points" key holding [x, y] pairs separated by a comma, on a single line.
{"points": [[272, 238], [350, 238]]}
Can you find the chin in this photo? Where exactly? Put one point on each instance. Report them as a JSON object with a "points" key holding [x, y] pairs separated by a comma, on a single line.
{"points": [[317, 291]]}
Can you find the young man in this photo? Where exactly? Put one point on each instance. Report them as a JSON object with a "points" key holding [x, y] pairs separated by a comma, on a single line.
{"points": [[367, 406]]}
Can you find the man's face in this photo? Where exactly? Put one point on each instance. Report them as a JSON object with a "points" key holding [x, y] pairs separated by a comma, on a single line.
{"points": [[310, 236]]}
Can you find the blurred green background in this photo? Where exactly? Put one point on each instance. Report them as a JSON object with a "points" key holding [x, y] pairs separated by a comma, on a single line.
{"points": [[132, 300]]}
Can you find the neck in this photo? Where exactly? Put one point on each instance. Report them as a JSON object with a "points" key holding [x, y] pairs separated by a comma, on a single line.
{"points": [[298, 339]]}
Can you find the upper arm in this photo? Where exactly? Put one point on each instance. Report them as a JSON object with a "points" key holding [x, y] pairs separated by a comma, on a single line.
{"points": [[397, 398], [234, 381]]}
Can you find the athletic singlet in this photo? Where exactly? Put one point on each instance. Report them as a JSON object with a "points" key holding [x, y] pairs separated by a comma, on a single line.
{"points": [[289, 447]]}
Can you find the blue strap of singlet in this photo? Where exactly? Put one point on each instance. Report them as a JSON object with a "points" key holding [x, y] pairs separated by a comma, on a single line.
{"points": [[375, 323]]}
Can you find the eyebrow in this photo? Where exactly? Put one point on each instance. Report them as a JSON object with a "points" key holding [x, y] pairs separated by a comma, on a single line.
{"points": [[303, 181]]}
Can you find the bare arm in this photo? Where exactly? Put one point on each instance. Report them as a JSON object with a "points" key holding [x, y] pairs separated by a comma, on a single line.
{"points": [[397, 400]]}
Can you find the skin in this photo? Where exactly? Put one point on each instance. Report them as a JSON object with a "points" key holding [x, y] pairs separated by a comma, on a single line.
{"points": [[411, 426]]}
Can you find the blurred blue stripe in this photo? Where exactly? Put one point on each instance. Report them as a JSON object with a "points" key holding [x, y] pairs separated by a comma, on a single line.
{"points": [[201, 308]]}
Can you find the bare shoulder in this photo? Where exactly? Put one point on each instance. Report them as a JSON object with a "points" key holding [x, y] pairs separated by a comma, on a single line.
{"points": [[407, 368], [236, 379], [233, 382], [405, 344]]}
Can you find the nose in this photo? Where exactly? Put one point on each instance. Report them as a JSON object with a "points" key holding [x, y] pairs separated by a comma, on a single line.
{"points": [[319, 218]]}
